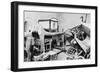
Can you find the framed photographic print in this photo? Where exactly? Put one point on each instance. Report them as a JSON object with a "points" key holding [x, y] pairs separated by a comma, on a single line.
{"points": [[52, 36]]}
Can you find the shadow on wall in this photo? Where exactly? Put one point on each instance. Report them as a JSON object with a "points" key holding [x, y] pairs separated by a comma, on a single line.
{"points": [[65, 20]]}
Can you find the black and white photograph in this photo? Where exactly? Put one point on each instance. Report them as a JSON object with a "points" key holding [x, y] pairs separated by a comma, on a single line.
{"points": [[53, 36]]}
